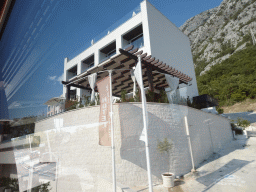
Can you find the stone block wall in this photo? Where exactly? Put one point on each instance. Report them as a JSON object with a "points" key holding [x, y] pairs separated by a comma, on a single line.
{"points": [[74, 144]]}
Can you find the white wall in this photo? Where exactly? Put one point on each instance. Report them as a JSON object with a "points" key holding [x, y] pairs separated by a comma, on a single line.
{"points": [[170, 45], [84, 161], [74, 144]]}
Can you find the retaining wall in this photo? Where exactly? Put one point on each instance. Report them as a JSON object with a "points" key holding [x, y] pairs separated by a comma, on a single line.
{"points": [[82, 162]]}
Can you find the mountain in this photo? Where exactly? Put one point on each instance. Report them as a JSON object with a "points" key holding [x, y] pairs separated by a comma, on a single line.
{"points": [[218, 33]]}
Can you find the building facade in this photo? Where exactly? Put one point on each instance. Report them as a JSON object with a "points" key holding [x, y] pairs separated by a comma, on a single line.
{"points": [[55, 105], [147, 29]]}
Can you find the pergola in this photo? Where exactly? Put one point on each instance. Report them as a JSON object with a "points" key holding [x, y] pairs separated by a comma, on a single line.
{"points": [[153, 72]]}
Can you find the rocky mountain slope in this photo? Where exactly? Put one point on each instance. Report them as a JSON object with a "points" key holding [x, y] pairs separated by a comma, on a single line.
{"points": [[218, 33]]}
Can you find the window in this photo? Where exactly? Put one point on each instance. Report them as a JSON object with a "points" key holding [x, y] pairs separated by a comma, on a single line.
{"points": [[87, 63], [134, 37], [72, 72], [107, 52]]}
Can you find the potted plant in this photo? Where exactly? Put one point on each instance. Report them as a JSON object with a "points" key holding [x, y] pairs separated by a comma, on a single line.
{"points": [[164, 147]]}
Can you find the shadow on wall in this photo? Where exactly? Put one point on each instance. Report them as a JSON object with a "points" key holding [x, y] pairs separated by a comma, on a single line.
{"points": [[223, 175], [165, 121], [208, 134]]}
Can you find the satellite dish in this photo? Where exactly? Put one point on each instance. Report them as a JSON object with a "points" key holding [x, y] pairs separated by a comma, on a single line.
{"points": [[133, 14], [92, 42]]}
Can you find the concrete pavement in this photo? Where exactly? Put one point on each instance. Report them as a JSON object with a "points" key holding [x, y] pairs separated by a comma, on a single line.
{"points": [[232, 169]]}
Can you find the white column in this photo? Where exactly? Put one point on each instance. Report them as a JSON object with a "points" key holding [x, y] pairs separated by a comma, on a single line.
{"points": [[30, 176], [112, 135], [65, 75], [79, 71], [145, 25], [189, 143], [118, 43], [96, 57]]}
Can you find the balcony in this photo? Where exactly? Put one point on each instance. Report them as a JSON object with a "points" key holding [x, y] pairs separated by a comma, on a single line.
{"points": [[87, 63], [107, 52], [134, 37], [137, 43], [72, 72]]}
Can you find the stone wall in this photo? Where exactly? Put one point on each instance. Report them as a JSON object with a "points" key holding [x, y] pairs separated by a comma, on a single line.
{"points": [[82, 162]]}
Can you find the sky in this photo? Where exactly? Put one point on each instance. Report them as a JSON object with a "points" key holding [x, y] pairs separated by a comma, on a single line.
{"points": [[41, 33]]}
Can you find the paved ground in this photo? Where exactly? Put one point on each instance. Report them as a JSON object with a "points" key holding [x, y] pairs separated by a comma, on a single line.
{"points": [[250, 116], [232, 169]]}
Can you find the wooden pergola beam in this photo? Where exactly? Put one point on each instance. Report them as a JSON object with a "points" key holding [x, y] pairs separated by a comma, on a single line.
{"points": [[80, 86], [125, 61], [131, 56]]}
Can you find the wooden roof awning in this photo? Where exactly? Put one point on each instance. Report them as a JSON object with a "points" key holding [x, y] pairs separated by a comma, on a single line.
{"points": [[153, 72]]}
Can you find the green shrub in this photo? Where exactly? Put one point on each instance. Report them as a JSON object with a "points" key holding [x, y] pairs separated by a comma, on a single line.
{"points": [[219, 13], [246, 38], [242, 122], [92, 103], [232, 80], [220, 40], [164, 146], [200, 66], [163, 97], [97, 99], [220, 110], [150, 96], [123, 96], [137, 96], [238, 97], [211, 40], [237, 130]]}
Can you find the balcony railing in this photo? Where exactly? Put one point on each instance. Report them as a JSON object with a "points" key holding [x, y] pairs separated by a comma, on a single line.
{"points": [[107, 57], [128, 16], [138, 43]]}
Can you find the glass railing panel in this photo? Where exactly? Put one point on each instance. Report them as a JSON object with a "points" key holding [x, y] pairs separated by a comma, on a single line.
{"points": [[138, 43], [107, 57], [128, 16], [118, 23]]}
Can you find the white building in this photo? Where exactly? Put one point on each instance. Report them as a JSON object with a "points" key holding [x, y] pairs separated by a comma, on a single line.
{"points": [[55, 105], [147, 29]]}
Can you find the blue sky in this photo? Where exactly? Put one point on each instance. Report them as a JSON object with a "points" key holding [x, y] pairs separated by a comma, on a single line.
{"points": [[41, 33]]}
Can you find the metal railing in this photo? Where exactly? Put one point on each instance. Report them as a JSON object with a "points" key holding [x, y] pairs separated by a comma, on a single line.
{"points": [[107, 57], [128, 16], [138, 43]]}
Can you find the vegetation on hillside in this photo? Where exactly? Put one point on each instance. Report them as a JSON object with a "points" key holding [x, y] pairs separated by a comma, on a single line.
{"points": [[233, 80]]}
